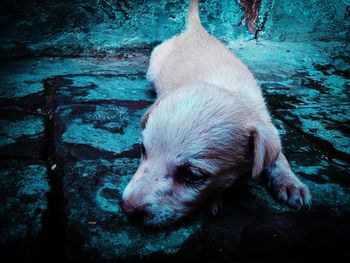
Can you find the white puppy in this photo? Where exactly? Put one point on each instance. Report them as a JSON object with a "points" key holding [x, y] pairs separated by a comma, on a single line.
{"points": [[208, 126]]}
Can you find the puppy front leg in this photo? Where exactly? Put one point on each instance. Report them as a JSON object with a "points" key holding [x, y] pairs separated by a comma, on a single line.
{"points": [[286, 185]]}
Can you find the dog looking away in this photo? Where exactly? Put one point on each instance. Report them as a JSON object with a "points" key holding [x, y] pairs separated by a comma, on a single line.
{"points": [[208, 126]]}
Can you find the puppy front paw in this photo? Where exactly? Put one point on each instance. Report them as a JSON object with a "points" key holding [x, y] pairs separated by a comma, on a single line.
{"points": [[291, 191]]}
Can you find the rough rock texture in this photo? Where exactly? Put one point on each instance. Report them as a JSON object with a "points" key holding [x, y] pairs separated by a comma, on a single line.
{"points": [[72, 91], [48, 27], [23, 187]]}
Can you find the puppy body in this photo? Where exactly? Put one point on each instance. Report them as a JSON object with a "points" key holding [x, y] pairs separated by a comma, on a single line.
{"points": [[196, 57], [208, 126]]}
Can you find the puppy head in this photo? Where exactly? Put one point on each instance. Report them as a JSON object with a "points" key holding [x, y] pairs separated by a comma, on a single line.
{"points": [[195, 142]]}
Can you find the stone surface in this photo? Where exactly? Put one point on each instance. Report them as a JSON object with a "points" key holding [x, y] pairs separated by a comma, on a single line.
{"points": [[73, 90], [97, 229], [88, 27], [97, 149], [97, 146], [23, 187], [95, 110], [24, 183], [21, 134], [302, 21], [102, 27], [323, 123], [24, 77], [307, 86]]}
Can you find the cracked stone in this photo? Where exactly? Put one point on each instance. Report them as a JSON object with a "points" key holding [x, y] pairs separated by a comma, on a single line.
{"points": [[93, 190], [90, 66], [84, 88], [329, 124], [105, 127], [23, 187], [93, 187], [20, 78], [327, 178], [305, 21], [21, 134]]}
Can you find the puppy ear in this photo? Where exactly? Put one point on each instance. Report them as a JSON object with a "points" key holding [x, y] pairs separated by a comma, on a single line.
{"points": [[145, 117], [267, 146]]}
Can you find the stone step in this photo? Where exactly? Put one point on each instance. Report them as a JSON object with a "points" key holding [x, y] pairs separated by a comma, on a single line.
{"points": [[23, 186], [80, 117]]}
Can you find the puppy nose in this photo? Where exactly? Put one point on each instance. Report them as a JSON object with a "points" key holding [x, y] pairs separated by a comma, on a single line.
{"points": [[132, 211]]}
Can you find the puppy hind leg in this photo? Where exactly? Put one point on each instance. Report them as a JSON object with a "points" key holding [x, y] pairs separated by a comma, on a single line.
{"points": [[286, 185]]}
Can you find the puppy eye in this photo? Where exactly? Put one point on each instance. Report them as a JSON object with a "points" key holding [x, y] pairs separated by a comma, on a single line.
{"points": [[143, 150], [187, 175]]}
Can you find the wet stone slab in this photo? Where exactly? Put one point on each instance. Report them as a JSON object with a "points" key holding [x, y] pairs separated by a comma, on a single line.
{"points": [[97, 105], [90, 27], [254, 225], [98, 150], [91, 130], [97, 229], [21, 134], [326, 176], [97, 129], [305, 74], [329, 125], [111, 128], [307, 86], [97, 145], [23, 186], [85, 88], [22, 78]]}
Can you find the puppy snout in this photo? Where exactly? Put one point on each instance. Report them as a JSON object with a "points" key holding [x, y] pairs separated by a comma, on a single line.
{"points": [[133, 211]]}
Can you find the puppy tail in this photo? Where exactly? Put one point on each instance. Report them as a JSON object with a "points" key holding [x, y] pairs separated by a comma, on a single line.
{"points": [[193, 20]]}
